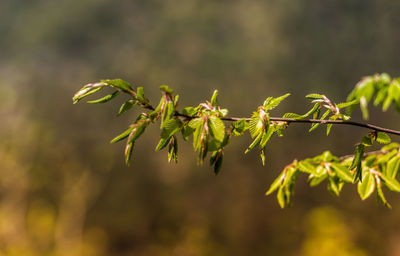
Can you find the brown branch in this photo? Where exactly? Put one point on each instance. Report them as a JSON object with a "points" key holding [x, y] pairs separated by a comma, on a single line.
{"points": [[341, 122], [291, 120]]}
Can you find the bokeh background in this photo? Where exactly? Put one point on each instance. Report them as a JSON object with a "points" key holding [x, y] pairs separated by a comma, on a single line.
{"points": [[64, 190]]}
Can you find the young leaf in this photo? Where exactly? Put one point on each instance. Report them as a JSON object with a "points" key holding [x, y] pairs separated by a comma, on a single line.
{"points": [[171, 127], [254, 143], [123, 135], [314, 96], [128, 152], [357, 162], [342, 172], [84, 92], [380, 194], [314, 126], [383, 138], [126, 106], [275, 185], [173, 150], [140, 94], [367, 186], [392, 167], [292, 116], [315, 181], [347, 104], [266, 136], [189, 111], [217, 128], [255, 125], [272, 103], [166, 89], [281, 197], [334, 186], [392, 184], [214, 98], [239, 127], [105, 99], [306, 167], [119, 84]]}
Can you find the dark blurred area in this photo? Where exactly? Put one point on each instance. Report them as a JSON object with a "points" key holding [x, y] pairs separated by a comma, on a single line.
{"points": [[64, 190]]}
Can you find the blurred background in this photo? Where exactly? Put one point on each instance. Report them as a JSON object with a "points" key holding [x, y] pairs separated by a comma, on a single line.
{"points": [[64, 190]]}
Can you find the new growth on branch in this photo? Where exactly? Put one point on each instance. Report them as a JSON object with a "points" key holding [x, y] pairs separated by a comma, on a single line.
{"points": [[370, 171]]}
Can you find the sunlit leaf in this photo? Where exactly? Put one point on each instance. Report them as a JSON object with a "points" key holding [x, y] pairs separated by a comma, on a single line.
{"points": [[217, 128], [342, 172], [126, 106], [383, 138], [105, 99], [393, 167], [367, 186], [119, 84]]}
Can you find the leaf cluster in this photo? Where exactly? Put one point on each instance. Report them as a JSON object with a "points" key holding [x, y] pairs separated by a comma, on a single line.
{"points": [[206, 125]]}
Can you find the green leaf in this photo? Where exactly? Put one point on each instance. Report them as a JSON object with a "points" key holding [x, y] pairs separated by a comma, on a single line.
{"points": [[391, 146], [315, 96], [239, 127], [314, 126], [342, 172], [118, 83], [128, 152], [187, 131], [254, 143], [316, 108], [126, 106], [266, 136], [367, 141], [381, 197], [335, 186], [256, 125], [189, 111], [166, 89], [140, 94], [84, 92], [329, 126], [123, 135], [173, 150], [162, 143], [357, 162], [383, 138], [315, 181], [197, 138], [347, 104], [214, 98], [262, 156], [105, 99], [381, 95], [281, 197], [308, 168], [276, 183], [292, 116], [392, 184], [392, 167], [367, 186], [364, 107], [217, 128], [171, 127], [196, 122], [274, 102]]}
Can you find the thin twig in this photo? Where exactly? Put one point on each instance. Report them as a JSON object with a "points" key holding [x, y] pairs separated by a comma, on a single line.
{"points": [[291, 120]]}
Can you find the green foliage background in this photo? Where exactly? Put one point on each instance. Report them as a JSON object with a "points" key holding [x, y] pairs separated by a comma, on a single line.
{"points": [[65, 191]]}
